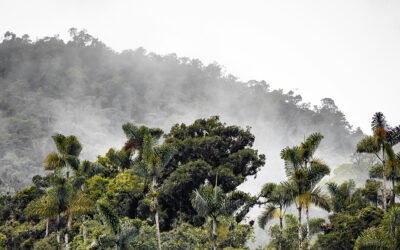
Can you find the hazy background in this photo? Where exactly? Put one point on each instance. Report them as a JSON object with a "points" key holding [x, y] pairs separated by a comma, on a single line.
{"points": [[346, 50]]}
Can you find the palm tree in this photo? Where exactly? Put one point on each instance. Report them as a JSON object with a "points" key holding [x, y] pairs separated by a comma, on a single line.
{"points": [[123, 232], [68, 148], [304, 174], [44, 208], [135, 136], [212, 202], [155, 159], [314, 195], [277, 202], [60, 196], [380, 144], [79, 205], [85, 171], [150, 160]]}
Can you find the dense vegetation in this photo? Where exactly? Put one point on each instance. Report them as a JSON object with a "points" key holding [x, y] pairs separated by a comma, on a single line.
{"points": [[178, 189], [181, 193], [84, 88]]}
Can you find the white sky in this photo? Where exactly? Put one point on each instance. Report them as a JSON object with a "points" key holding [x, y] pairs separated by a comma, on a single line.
{"points": [[346, 50]]}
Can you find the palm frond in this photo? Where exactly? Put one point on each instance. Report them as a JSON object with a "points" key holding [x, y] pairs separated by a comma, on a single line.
{"points": [[320, 199], [134, 136], [166, 153], [292, 159], [72, 146], [317, 171], [73, 162], [61, 193], [332, 188], [376, 171], [266, 215], [393, 135], [108, 216], [201, 203], [367, 145], [54, 162], [268, 189], [378, 121], [310, 145], [59, 140], [81, 205], [371, 239], [391, 221], [42, 207]]}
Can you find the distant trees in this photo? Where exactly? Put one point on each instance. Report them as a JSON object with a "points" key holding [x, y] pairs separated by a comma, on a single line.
{"points": [[38, 76]]}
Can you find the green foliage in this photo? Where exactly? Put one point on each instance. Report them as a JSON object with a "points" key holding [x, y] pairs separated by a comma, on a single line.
{"points": [[3, 241], [288, 237], [108, 216], [47, 243], [205, 149], [386, 236], [96, 187], [341, 195]]}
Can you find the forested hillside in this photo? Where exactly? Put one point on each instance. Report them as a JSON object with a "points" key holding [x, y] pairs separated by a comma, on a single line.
{"points": [[84, 88], [132, 150]]}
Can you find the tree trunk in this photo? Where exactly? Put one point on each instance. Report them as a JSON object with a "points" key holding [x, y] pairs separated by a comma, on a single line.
{"points": [[66, 241], [281, 227], [156, 216], [384, 191], [308, 229], [214, 233], [58, 229], [69, 223], [299, 230], [47, 227], [84, 228], [393, 194]]}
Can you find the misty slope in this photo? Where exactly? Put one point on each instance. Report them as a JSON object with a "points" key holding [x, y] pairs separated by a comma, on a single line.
{"points": [[84, 88]]}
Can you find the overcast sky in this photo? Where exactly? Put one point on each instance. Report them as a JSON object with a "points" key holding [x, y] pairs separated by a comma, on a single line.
{"points": [[346, 50]]}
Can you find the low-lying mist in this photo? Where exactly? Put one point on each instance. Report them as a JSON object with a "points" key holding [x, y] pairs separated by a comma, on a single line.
{"points": [[84, 88]]}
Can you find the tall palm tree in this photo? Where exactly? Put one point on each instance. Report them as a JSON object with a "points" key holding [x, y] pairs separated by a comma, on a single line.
{"points": [[380, 144], [153, 160], [212, 202], [304, 173], [60, 196], [150, 160], [315, 172], [85, 171], [123, 232]]}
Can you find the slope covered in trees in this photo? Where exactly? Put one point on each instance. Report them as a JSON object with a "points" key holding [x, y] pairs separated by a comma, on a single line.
{"points": [[182, 193], [84, 88]]}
